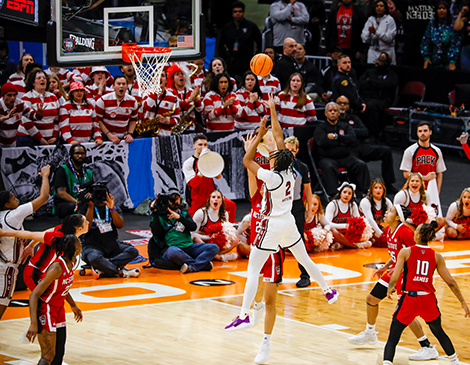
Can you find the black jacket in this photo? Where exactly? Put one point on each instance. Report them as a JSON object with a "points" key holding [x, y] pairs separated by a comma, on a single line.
{"points": [[311, 77], [246, 35], [334, 148], [285, 67], [376, 84], [344, 85]]}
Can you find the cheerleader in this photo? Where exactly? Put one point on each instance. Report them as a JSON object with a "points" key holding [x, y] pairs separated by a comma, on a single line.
{"points": [[46, 302], [414, 196], [294, 107], [77, 118], [221, 106], [458, 217], [317, 234], [213, 226], [250, 98], [374, 205], [338, 211], [43, 128]]}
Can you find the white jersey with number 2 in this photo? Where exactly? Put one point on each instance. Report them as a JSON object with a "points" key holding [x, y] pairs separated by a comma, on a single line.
{"points": [[278, 192]]}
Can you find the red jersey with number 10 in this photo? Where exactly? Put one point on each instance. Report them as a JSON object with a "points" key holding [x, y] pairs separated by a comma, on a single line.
{"points": [[56, 292], [419, 269]]}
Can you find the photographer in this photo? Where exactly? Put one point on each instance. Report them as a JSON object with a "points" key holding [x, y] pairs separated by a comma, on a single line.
{"points": [[169, 224], [101, 247], [67, 181]]}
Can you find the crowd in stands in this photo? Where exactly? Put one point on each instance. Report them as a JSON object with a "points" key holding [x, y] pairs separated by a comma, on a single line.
{"points": [[43, 105]]}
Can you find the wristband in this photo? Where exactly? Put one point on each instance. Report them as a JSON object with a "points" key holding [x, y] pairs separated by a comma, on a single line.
{"points": [[113, 210], [107, 133]]}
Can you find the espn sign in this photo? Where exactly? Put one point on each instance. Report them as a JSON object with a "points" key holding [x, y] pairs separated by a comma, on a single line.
{"points": [[20, 10]]}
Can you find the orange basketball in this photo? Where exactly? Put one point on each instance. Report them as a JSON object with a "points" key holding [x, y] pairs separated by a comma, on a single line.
{"points": [[261, 64]]}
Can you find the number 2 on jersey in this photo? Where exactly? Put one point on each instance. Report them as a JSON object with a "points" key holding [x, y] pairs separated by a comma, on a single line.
{"points": [[288, 188]]}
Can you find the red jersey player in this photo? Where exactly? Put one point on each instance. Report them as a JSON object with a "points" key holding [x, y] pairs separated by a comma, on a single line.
{"points": [[419, 299], [398, 236], [46, 303]]}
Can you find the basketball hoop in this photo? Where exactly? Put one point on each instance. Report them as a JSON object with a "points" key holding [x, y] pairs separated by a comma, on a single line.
{"points": [[148, 64]]}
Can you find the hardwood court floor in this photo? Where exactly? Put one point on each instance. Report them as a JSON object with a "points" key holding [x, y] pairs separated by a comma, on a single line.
{"points": [[160, 318]]}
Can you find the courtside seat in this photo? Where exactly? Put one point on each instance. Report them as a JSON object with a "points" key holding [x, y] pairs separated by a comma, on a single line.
{"points": [[412, 92]]}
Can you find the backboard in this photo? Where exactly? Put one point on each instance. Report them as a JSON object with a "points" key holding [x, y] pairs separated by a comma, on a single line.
{"points": [[91, 32]]}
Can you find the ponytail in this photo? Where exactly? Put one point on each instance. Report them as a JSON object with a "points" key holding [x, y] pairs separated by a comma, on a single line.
{"points": [[428, 231], [65, 246], [71, 223]]}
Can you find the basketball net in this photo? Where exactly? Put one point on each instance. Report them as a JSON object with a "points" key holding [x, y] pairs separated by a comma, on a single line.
{"points": [[148, 64]]}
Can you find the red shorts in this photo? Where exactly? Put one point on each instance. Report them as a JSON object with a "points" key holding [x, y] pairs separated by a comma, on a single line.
{"points": [[385, 279], [50, 317], [424, 306], [32, 276], [272, 269]]}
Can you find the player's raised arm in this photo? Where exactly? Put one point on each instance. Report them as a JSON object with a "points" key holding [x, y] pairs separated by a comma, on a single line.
{"points": [[249, 159], [276, 126]]}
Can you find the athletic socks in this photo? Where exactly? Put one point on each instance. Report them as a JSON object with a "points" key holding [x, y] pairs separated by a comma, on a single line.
{"points": [[266, 338], [370, 328], [424, 342]]}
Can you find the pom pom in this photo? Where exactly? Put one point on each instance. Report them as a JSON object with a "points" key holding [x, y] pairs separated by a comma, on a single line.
{"points": [[356, 227], [431, 212], [419, 216], [368, 232], [318, 239], [381, 241]]}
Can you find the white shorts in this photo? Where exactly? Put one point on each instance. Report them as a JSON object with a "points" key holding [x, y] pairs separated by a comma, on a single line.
{"points": [[275, 232], [8, 274]]}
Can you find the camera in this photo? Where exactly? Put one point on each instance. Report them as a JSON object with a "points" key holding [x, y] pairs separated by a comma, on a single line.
{"points": [[161, 203], [97, 190]]}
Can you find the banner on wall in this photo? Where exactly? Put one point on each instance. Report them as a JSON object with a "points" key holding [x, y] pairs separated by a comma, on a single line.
{"points": [[134, 172]]}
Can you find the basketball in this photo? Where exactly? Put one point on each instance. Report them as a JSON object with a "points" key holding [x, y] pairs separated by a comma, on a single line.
{"points": [[261, 64]]}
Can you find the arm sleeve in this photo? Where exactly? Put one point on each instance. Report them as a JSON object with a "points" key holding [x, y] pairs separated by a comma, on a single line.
{"points": [[365, 207], [187, 221], [155, 226], [16, 217], [388, 31], [451, 215], [466, 149], [280, 15], [365, 35], [349, 136], [303, 17], [188, 170], [198, 218], [330, 215], [400, 198], [324, 222], [441, 165]]}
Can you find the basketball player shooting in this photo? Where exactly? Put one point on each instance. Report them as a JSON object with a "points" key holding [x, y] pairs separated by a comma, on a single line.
{"points": [[277, 228]]}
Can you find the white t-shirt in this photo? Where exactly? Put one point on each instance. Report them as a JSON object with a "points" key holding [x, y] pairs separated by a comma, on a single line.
{"points": [[12, 220], [278, 192], [408, 155]]}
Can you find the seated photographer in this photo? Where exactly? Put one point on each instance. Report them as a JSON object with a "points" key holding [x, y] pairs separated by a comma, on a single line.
{"points": [[67, 181], [169, 224], [101, 247]]}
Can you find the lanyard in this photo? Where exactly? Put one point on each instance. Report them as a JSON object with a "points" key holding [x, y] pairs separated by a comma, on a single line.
{"points": [[99, 217], [76, 175]]}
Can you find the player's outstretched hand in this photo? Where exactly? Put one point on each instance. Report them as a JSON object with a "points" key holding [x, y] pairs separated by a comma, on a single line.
{"points": [[271, 103], [262, 127], [248, 141], [463, 138]]}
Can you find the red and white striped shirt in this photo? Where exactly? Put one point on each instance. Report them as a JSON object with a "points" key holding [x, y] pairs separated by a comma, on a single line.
{"points": [[294, 117], [198, 78], [220, 118], [82, 74], [78, 122], [134, 90], [17, 76], [183, 96], [116, 114], [269, 85], [91, 92], [48, 126], [20, 88], [251, 112], [63, 74], [9, 127], [165, 104]]}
